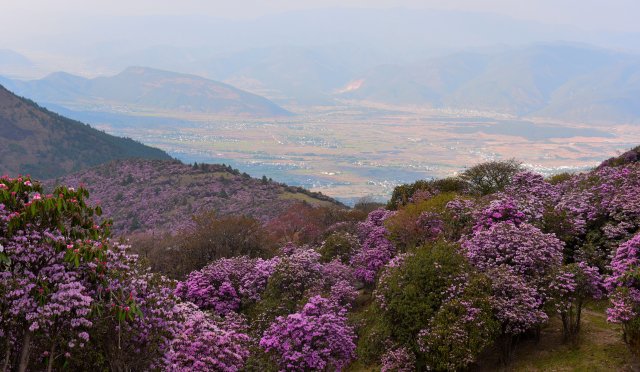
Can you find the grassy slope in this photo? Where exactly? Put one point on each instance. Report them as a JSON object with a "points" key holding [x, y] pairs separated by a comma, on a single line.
{"points": [[600, 348]]}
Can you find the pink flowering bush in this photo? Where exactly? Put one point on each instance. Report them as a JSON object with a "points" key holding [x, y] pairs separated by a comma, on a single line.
{"points": [[316, 338]]}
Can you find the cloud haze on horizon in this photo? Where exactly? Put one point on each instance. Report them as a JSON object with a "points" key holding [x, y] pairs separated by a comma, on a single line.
{"points": [[613, 15]]}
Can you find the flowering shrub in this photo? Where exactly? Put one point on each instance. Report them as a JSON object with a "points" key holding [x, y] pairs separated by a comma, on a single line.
{"points": [[226, 284], [520, 260], [398, 360], [204, 344], [294, 279], [501, 210], [431, 302], [523, 250], [339, 245], [462, 327], [532, 194], [624, 288], [62, 288], [459, 218], [376, 249], [569, 289], [418, 223], [316, 338], [517, 306]]}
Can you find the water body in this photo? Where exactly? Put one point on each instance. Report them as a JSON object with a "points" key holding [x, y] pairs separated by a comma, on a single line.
{"points": [[528, 130]]}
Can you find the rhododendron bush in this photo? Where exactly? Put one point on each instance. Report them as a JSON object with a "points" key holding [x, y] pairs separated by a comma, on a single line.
{"points": [[63, 288], [316, 338]]}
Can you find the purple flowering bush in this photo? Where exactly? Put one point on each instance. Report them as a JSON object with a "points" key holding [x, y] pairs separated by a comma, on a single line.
{"points": [[375, 249], [624, 290], [227, 284], [206, 344], [501, 210], [570, 288], [523, 250], [64, 287], [316, 338], [520, 259]]}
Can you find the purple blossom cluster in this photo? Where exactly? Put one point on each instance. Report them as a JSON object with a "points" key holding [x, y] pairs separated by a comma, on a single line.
{"points": [[532, 195], [523, 250], [316, 338], [501, 210], [376, 249], [624, 285], [611, 193], [226, 284], [204, 344], [519, 259]]}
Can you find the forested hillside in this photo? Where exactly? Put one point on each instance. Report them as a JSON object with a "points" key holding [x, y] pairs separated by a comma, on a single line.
{"points": [[44, 144]]}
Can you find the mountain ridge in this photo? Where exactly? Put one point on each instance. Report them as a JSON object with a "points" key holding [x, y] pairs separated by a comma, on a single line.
{"points": [[36, 141], [143, 89]]}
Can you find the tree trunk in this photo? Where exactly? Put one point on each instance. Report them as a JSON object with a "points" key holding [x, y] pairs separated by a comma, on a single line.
{"points": [[7, 355], [578, 316], [52, 354], [24, 355]]}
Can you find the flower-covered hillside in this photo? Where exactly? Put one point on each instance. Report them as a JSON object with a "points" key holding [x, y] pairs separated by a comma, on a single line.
{"points": [[142, 195]]}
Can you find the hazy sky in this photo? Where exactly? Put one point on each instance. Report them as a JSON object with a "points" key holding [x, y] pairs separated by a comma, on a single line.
{"points": [[614, 15]]}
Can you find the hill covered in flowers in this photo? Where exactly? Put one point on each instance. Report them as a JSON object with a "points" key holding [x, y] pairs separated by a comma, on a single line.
{"points": [[143, 195], [458, 273]]}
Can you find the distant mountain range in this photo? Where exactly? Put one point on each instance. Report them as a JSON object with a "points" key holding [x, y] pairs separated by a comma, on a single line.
{"points": [[162, 195], [570, 82], [566, 81], [43, 144], [140, 89]]}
